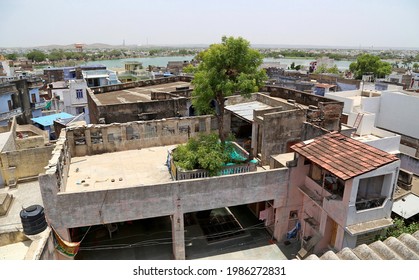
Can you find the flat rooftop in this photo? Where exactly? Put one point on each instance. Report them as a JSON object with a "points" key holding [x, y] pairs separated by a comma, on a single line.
{"points": [[119, 169], [24, 195], [137, 94]]}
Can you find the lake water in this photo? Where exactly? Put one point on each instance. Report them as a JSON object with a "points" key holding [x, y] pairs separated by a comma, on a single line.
{"points": [[117, 64]]}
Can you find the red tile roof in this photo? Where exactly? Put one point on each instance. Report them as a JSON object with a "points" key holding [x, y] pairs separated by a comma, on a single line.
{"points": [[343, 156]]}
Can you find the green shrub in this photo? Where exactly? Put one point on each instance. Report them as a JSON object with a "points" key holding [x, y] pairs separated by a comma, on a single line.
{"points": [[204, 152]]}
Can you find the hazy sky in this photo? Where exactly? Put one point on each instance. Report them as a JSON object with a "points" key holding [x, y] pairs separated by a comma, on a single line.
{"points": [[366, 23]]}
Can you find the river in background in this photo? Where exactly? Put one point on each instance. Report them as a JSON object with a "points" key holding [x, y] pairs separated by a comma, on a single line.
{"points": [[118, 64]]}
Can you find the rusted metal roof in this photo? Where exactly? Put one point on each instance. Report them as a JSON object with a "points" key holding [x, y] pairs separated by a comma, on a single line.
{"points": [[343, 156]]}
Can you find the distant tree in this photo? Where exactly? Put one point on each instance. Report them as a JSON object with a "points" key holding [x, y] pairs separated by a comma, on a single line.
{"points": [[367, 63], [56, 55], [225, 69], [322, 68], [333, 70], [416, 66], [36, 55], [11, 56], [292, 66]]}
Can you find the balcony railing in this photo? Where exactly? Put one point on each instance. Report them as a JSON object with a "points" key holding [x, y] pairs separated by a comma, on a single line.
{"points": [[368, 203], [10, 114], [180, 174]]}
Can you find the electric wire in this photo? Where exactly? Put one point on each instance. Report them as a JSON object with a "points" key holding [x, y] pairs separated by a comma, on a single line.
{"points": [[168, 240]]}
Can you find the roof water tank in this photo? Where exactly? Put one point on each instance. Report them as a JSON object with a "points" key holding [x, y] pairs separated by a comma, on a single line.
{"points": [[33, 219]]}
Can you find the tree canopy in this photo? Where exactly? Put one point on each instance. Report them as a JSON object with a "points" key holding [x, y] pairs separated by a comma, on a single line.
{"points": [[323, 69], [225, 69], [370, 64], [36, 55]]}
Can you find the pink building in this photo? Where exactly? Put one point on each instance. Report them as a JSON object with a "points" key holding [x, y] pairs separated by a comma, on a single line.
{"points": [[340, 193]]}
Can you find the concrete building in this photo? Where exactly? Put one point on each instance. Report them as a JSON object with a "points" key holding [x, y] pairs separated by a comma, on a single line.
{"points": [[25, 150], [98, 78], [141, 100], [393, 111], [134, 71], [46, 123], [69, 97], [74, 199], [56, 74], [9, 105], [340, 190], [264, 125]]}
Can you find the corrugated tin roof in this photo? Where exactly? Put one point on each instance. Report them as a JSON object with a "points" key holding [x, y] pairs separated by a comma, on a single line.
{"points": [[343, 156], [245, 110], [407, 206], [49, 120], [405, 247]]}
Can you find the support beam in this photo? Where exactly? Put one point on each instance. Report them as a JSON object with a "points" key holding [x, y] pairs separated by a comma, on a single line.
{"points": [[178, 236]]}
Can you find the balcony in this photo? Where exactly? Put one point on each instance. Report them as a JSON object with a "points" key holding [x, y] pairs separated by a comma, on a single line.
{"points": [[369, 203], [10, 114], [38, 105]]}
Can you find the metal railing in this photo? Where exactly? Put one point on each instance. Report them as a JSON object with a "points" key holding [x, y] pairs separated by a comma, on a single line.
{"points": [[180, 174]]}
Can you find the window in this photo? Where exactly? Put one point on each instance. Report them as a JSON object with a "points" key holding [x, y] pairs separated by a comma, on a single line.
{"points": [[79, 93]]}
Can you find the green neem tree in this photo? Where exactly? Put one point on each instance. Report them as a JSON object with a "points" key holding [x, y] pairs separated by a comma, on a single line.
{"points": [[36, 55], [225, 69], [368, 63]]}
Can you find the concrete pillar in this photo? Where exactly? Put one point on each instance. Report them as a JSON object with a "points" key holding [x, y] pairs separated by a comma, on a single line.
{"points": [[178, 233], [208, 124], [254, 145], [65, 235]]}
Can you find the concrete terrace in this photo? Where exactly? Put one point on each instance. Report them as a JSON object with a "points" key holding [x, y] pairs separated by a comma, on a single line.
{"points": [[137, 94], [145, 166]]}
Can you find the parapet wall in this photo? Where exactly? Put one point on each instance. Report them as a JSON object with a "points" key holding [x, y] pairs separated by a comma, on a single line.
{"points": [[144, 83], [97, 139]]}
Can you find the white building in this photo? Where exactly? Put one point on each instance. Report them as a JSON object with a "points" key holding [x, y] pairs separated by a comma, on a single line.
{"points": [[394, 111], [70, 97]]}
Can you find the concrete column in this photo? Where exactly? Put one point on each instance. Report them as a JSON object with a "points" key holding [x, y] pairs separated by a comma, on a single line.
{"points": [[178, 236], [65, 235], [254, 145], [208, 125]]}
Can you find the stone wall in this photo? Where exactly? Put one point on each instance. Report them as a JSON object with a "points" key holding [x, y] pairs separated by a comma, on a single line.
{"points": [[160, 107], [22, 164], [281, 130], [97, 139], [142, 83], [333, 80], [129, 112]]}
